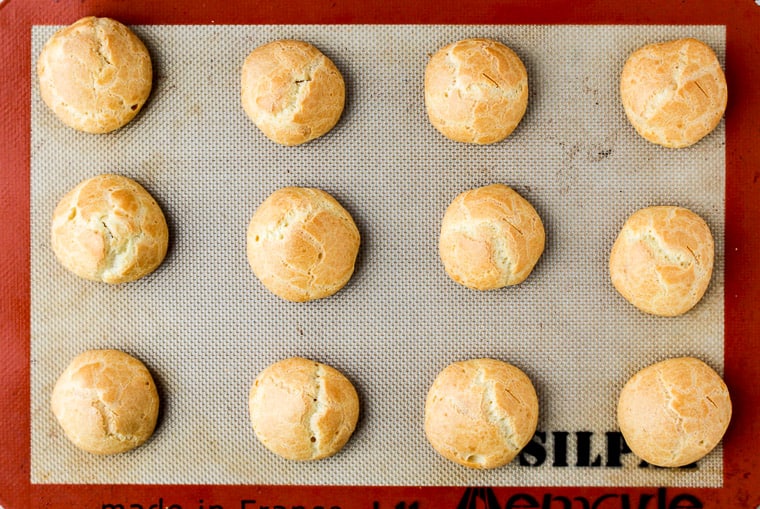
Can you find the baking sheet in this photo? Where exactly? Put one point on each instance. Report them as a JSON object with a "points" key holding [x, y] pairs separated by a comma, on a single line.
{"points": [[205, 327]]}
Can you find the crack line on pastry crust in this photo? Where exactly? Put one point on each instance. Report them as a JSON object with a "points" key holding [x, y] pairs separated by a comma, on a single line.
{"points": [[489, 78], [700, 88], [513, 226], [674, 413], [315, 408], [694, 255], [108, 417], [492, 411]]}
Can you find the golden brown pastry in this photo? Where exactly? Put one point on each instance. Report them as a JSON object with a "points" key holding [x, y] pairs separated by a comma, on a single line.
{"points": [[302, 244], [110, 229], [662, 260], [480, 413], [674, 93], [476, 91], [303, 410], [674, 412], [106, 402], [491, 237], [291, 91], [95, 74]]}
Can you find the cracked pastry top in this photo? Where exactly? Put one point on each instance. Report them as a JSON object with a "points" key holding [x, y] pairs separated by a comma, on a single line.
{"points": [[674, 93], [674, 412], [302, 244], [303, 410], [95, 74], [291, 91], [476, 91], [662, 260], [106, 402], [491, 237], [480, 413], [110, 229]]}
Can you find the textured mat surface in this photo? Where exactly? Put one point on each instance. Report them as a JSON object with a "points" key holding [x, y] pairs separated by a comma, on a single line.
{"points": [[205, 326]]}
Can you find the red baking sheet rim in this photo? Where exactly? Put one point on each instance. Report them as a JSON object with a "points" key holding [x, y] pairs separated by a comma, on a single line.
{"points": [[742, 263]]}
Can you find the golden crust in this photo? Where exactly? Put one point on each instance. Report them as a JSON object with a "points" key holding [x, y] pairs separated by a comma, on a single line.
{"points": [[491, 237], [480, 413], [476, 91], [291, 91], [303, 410], [106, 402], [662, 260], [302, 244], [95, 74], [674, 412], [674, 93], [109, 229]]}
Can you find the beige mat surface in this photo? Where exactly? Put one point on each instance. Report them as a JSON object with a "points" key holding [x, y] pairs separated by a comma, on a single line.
{"points": [[205, 326]]}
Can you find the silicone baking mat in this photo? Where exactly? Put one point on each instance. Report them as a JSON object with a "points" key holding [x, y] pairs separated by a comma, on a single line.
{"points": [[206, 326], [397, 197]]}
